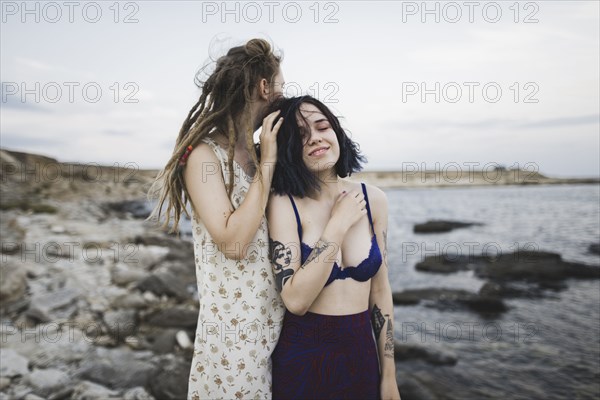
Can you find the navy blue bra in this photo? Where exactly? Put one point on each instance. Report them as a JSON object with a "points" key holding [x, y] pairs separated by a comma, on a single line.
{"points": [[363, 271]]}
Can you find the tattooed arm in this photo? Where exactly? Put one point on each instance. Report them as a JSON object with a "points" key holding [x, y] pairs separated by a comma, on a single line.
{"points": [[302, 284], [299, 284], [380, 299]]}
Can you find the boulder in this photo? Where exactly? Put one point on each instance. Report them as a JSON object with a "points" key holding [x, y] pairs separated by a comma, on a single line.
{"points": [[43, 306], [439, 226], [444, 298], [86, 390], [120, 323], [13, 364], [403, 352], [178, 316], [44, 382], [164, 283], [170, 380], [117, 368]]}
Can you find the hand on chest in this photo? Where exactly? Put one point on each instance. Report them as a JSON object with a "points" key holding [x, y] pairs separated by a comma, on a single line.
{"points": [[356, 244]]}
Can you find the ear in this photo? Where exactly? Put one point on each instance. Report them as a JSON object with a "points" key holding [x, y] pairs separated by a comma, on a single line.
{"points": [[263, 89]]}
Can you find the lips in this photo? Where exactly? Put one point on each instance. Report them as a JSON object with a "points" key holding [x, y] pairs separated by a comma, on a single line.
{"points": [[319, 151]]}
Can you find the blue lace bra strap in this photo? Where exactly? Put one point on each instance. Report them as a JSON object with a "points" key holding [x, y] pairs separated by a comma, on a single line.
{"points": [[364, 189], [297, 217]]}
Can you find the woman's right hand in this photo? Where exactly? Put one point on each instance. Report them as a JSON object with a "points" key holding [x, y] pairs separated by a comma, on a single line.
{"points": [[348, 209], [268, 138]]}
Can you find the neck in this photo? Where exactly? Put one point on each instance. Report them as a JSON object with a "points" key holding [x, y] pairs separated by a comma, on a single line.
{"points": [[331, 185]]}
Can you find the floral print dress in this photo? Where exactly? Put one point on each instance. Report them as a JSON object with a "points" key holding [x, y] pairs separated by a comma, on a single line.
{"points": [[240, 313]]}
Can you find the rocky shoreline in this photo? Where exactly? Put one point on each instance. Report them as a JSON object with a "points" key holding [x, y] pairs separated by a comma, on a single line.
{"points": [[96, 303]]}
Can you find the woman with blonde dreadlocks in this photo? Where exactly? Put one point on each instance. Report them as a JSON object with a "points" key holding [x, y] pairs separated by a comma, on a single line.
{"points": [[215, 166]]}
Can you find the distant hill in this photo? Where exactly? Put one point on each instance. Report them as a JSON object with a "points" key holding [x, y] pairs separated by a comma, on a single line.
{"points": [[27, 176]]}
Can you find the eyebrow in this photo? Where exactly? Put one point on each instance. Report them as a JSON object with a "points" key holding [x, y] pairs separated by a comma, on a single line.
{"points": [[321, 120]]}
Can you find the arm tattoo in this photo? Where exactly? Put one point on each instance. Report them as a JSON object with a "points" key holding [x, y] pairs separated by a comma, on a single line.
{"points": [[281, 258], [377, 321], [388, 349], [320, 247]]}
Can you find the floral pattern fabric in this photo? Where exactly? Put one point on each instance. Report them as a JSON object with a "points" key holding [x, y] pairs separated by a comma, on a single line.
{"points": [[240, 313]]}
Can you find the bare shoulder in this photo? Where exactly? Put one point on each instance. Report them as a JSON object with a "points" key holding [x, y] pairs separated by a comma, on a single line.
{"points": [[202, 152], [376, 195], [280, 217], [202, 162], [277, 204], [378, 203]]}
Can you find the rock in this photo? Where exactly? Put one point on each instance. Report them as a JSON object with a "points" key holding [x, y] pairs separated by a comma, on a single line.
{"points": [[47, 381], [525, 265], [178, 249], [57, 229], [4, 383], [133, 300], [58, 347], [443, 298], [178, 316], [143, 257], [121, 323], [162, 341], [136, 208], [594, 248], [137, 393], [42, 306], [86, 390], [438, 226], [443, 263], [163, 283], [117, 369], [170, 380], [412, 389], [31, 396], [511, 289], [13, 364], [123, 276], [183, 340], [533, 266], [484, 304], [13, 283], [12, 235], [403, 352]]}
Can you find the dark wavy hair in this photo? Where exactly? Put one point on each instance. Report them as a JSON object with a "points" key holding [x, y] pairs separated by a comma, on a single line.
{"points": [[291, 175]]}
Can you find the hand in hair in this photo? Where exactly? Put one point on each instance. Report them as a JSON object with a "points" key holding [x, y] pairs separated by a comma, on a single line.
{"points": [[268, 138]]}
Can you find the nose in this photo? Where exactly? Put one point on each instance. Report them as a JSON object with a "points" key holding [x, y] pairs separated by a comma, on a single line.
{"points": [[314, 137]]}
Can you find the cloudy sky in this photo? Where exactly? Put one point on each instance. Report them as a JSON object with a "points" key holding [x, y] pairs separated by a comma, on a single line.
{"points": [[431, 84]]}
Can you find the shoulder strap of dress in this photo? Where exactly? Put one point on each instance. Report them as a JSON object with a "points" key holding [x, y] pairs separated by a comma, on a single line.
{"points": [[298, 223], [364, 189]]}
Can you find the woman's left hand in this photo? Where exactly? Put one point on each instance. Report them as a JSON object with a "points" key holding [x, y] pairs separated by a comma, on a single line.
{"points": [[389, 389]]}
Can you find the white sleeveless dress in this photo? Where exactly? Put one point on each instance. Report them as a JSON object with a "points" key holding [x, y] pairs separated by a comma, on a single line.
{"points": [[241, 312]]}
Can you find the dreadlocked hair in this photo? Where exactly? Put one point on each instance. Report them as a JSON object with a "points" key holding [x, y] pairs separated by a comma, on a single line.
{"points": [[225, 98]]}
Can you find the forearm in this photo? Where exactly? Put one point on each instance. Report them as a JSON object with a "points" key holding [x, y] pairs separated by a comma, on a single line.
{"points": [[308, 281], [382, 317], [242, 224]]}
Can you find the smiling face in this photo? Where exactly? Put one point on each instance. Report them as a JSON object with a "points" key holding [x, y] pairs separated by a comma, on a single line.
{"points": [[321, 149]]}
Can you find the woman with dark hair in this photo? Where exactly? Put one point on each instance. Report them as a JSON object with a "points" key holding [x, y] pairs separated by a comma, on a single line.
{"points": [[214, 166], [337, 338]]}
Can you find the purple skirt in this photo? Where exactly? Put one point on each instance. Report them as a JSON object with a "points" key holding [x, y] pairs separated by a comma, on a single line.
{"points": [[326, 357]]}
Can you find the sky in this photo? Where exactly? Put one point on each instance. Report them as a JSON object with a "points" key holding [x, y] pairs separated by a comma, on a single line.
{"points": [[431, 85]]}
